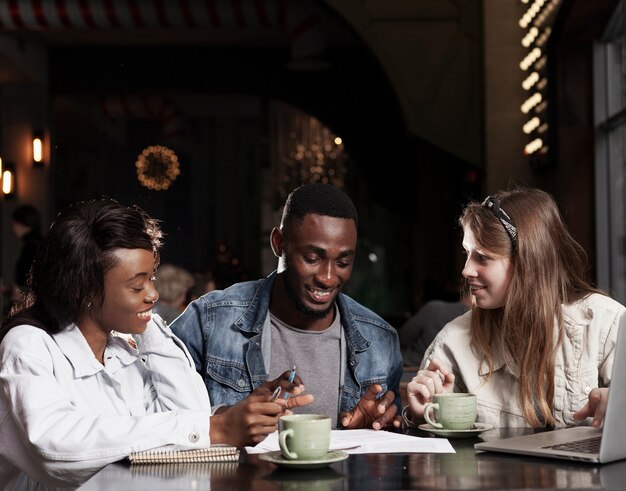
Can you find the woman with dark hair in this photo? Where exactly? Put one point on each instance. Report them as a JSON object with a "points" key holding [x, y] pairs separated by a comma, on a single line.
{"points": [[88, 374], [538, 345]]}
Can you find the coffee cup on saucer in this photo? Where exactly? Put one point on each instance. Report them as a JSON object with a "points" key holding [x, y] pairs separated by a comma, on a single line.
{"points": [[451, 411], [304, 436]]}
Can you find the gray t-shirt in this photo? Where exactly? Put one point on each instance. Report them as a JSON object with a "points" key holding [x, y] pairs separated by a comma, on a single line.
{"points": [[317, 356]]}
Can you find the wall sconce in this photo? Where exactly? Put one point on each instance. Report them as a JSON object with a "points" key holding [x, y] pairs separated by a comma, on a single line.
{"points": [[38, 149], [7, 182]]}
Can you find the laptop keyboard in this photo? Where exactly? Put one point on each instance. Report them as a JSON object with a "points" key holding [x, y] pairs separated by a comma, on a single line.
{"points": [[588, 445]]}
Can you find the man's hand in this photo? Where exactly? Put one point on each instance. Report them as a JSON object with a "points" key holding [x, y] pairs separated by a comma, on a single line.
{"points": [[372, 412], [595, 407], [294, 389], [251, 420]]}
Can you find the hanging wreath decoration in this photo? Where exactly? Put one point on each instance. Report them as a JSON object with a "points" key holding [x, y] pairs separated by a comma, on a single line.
{"points": [[157, 167]]}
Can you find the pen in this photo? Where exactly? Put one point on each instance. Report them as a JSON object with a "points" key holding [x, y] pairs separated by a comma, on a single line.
{"points": [[275, 394], [442, 377], [292, 374]]}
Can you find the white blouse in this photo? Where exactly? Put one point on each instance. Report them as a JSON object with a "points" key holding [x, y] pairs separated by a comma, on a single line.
{"points": [[64, 416]]}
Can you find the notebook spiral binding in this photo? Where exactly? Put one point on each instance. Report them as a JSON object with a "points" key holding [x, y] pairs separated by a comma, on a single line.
{"points": [[211, 454]]}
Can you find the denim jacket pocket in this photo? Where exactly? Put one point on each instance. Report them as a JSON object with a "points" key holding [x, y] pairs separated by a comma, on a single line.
{"points": [[229, 373]]}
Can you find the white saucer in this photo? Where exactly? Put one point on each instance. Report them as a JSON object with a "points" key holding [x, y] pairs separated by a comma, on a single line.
{"points": [[475, 430], [278, 459]]}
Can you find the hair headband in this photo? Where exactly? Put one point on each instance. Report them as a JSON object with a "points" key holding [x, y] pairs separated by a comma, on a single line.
{"points": [[493, 204]]}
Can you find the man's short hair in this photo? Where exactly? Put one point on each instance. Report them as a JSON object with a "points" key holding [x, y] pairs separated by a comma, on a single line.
{"points": [[319, 199]]}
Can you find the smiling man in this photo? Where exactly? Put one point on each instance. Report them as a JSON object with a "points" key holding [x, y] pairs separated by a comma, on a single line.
{"points": [[347, 357]]}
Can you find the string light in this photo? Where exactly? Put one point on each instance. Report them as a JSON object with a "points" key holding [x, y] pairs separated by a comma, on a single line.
{"points": [[531, 102], [538, 13], [530, 81], [531, 125], [530, 58], [533, 146], [528, 39]]}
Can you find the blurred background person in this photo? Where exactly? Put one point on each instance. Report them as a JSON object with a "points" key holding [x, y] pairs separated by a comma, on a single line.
{"points": [[421, 329], [202, 283], [26, 225], [173, 284]]}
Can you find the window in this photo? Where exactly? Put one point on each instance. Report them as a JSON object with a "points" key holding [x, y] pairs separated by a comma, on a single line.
{"points": [[610, 165]]}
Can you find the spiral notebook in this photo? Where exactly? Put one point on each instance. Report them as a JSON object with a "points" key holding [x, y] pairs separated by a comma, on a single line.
{"points": [[216, 453]]}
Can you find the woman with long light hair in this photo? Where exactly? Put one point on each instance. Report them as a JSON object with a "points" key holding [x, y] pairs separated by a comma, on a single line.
{"points": [[537, 346]]}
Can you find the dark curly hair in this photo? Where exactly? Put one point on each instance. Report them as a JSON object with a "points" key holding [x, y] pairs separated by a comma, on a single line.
{"points": [[68, 272]]}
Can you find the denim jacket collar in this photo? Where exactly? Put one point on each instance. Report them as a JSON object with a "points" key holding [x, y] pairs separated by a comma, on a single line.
{"points": [[355, 339], [253, 319]]}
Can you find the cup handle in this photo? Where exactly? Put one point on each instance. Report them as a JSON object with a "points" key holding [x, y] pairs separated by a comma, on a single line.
{"points": [[427, 409], [282, 441]]}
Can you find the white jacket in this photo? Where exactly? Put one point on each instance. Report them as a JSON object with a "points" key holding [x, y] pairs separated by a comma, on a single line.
{"points": [[63, 415], [583, 361]]}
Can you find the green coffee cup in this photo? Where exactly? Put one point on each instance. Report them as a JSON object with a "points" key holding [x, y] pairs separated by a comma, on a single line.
{"points": [[452, 411], [304, 436]]}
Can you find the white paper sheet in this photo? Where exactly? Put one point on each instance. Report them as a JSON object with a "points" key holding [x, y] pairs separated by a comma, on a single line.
{"points": [[368, 441]]}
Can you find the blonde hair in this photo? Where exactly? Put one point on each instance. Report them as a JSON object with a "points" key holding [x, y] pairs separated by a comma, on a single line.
{"points": [[548, 270]]}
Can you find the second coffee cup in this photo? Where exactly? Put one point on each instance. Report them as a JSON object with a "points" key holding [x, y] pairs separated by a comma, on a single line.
{"points": [[304, 436], [452, 411]]}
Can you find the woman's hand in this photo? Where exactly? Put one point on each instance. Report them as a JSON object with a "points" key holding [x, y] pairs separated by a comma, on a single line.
{"points": [[595, 407], [435, 379]]}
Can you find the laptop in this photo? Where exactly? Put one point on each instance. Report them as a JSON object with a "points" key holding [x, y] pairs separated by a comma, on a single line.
{"points": [[581, 443]]}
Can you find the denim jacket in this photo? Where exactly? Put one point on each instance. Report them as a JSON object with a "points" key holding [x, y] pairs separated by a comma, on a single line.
{"points": [[224, 332]]}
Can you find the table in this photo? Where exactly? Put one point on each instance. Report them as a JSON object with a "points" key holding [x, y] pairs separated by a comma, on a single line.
{"points": [[466, 469]]}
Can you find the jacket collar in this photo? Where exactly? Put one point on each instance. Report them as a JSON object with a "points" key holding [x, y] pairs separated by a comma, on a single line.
{"points": [[353, 335], [575, 315], [253, 318], [74, 346]]}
